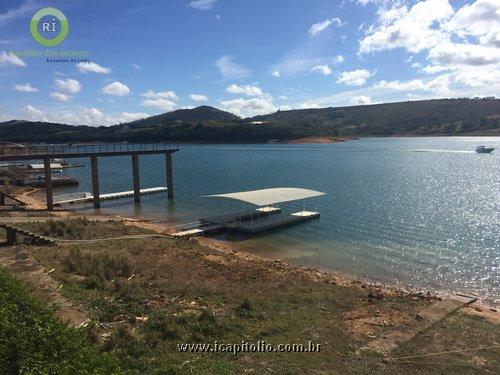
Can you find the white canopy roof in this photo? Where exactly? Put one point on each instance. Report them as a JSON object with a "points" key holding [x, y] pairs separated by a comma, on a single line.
{"points": [[265, 197]]}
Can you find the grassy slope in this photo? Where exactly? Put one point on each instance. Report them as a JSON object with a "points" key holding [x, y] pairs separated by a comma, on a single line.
{"points": [[34, 341], [150, 295]]}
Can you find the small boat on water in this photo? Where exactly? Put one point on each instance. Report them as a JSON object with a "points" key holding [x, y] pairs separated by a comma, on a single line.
{"points": [[484, 149]]}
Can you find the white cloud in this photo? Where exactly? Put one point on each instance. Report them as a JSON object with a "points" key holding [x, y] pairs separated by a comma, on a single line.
{"points": [[361, 100], [480, 19], [136, 67], [488, 77], [464, 54], [163, 104], [82, 116], [34, 114], [317, 28], [12, 14], [323, 69], [299, 62], [249, 107], [276, 73], [248, 90], [411, 29], [439, 85], [116, 89], [308, 105], [59, 96], [164, 100], [202, 4], [128, 116], [150, 94], [229, 69], [433, 69], [68, 85], [198, 97], [7, 59], [4, 116], [92, 114], [415, 84], [25, 87], [465, 43], [338, 59], [355, 77], [91, 67]]}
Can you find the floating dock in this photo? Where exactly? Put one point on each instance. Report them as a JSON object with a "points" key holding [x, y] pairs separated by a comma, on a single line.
{"points": [[87, 197], [270, 222], [265, 217]]}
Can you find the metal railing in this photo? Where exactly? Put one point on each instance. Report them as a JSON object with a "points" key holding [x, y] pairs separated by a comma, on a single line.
{"points": [[72, 149]]}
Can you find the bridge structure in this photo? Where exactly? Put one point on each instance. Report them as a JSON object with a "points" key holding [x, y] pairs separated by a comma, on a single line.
{"points": [[47, 153]]}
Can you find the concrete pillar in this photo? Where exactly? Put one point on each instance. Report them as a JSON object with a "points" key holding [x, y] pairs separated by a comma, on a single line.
{"points": [[48, 184], [11, 237], [95, 181], [137, 178], [170, 175]]}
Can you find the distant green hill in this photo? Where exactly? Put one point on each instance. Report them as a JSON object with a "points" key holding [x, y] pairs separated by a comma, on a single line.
{"points": [[208, 124], [202, 113], [426, 117]]}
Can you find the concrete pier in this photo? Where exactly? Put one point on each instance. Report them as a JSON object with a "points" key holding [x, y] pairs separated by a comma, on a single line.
{"points": [[170, 175], [137, 178], [95, 181], [48, 184], [93, 151]]}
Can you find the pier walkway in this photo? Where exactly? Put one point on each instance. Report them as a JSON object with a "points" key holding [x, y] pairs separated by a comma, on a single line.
{"points": [[88, 197], [93, 151]]}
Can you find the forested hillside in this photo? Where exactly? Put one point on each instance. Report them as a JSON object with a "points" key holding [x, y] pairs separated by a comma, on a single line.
{"points": [[208, 124]]}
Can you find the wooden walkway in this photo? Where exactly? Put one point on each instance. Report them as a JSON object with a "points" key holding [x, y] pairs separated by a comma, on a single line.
{"points": [[32, 238]]}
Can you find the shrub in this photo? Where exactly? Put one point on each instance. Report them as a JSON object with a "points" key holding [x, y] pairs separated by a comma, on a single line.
{"points": [[105, 266], [245, 309]]}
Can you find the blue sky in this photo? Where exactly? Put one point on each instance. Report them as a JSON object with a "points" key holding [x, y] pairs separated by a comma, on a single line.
{"points": [[247, 57]]}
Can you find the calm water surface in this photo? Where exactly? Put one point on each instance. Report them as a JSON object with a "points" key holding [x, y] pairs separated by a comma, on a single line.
{"points": [[422, 212]]}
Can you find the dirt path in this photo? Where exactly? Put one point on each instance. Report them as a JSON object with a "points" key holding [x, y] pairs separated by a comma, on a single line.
{"points": [[19, 262]]}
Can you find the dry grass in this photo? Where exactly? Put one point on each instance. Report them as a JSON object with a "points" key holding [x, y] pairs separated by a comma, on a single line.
{"points": [[81, 228], [146, 296]]}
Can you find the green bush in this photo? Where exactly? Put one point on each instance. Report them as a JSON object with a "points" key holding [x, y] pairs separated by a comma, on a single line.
{"points": [[33, 340]]}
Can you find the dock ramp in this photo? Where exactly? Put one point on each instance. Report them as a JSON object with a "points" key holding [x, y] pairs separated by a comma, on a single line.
{"points": [[87, 197]]}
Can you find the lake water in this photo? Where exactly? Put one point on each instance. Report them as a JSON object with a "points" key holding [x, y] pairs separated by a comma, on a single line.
{"points": [[418, 212]]}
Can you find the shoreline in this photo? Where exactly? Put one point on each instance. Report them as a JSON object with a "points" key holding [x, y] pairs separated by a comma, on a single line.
{"points": [[232, 248]]}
